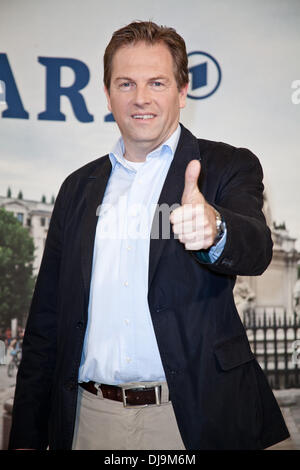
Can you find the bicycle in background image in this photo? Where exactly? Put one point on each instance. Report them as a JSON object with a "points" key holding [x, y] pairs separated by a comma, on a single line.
{"points": [[16, 356]]}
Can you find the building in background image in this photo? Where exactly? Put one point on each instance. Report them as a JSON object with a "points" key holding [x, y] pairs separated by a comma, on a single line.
{"points": [[274, 290], [34, 215]]}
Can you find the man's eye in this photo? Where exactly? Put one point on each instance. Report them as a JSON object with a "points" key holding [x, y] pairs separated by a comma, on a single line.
{"points": [[125, 85], [157, 84]]}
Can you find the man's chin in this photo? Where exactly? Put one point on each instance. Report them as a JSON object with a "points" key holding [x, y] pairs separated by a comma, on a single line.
{"points": [[145, 136]]}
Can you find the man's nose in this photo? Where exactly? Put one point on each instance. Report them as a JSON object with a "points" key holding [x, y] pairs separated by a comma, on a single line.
{"points": [[142, 95]]}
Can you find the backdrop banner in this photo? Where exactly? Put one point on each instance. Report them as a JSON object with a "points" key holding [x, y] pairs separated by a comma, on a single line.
{"points": [[244, 90]]}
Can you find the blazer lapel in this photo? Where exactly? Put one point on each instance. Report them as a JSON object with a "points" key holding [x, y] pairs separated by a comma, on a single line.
{"points": [[187, 150], [94, 196]]}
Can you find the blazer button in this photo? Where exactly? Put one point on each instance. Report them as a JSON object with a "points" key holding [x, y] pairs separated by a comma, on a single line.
{"points": [[226, 262], [160, 308], [80, 325]]}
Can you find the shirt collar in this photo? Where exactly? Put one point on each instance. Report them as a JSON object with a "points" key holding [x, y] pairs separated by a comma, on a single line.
{"points": [[169, 146]]}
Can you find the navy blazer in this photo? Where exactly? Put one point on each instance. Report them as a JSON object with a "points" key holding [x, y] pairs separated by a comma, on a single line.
{"points": [[220, 395]]}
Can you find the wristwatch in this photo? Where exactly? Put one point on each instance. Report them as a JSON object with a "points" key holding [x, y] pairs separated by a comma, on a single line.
{"points": [[220, 226]]}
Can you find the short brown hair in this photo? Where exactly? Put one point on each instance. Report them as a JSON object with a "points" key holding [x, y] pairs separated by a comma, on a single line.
{"points": [[150, 33]]}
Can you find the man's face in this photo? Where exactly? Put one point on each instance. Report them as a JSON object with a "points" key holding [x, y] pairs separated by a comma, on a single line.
{"points": [[143, 95]]}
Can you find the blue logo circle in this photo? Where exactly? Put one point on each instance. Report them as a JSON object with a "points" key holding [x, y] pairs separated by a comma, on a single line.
{"points": [[201, 79]]}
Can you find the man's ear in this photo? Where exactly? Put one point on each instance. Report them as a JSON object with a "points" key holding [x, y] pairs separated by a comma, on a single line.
{"points": [[107, 97], [182, 96]]}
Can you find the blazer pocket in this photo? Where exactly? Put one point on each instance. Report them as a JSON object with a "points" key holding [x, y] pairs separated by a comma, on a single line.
{"points": [[233, 352]]}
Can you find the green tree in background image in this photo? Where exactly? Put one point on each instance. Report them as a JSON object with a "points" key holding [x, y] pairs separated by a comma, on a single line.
{"points": [[16, 269]]}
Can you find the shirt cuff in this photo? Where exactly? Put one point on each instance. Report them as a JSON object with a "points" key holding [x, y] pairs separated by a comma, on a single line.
{"points": [[211, 255]]}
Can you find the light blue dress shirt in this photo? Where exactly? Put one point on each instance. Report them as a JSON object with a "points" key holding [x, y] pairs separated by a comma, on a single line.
{"points": [[120, 344]]}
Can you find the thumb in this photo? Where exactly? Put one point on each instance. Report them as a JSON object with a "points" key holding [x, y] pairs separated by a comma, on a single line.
{"points": [[191, 193]]}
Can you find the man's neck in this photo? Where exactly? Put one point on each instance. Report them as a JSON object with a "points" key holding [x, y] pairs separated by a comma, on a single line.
{"points": [[135, 153]]}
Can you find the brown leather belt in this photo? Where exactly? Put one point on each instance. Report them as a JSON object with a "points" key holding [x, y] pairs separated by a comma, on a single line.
{"points": [[130, 396]]}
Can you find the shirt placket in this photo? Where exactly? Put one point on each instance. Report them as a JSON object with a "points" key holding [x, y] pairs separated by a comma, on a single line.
{"points": [[128, 248]]}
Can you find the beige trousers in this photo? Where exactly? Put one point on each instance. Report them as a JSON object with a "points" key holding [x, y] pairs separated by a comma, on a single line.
{"points": [[107, 424]]}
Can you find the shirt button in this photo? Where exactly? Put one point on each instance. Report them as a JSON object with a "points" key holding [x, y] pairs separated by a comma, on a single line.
{"points": [[126, 283], [134, 212], [128, 248], [128, 359], [126, 321]]}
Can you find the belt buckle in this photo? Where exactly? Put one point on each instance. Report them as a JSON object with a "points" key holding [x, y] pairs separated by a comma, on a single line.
{"points": [[157, 390]]}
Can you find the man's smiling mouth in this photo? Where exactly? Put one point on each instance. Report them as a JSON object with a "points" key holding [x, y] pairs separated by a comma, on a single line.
{"points": [[143, 116]]}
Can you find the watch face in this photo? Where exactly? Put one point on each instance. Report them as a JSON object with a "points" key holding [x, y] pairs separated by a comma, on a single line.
{"points": [[218, 220], [219, 226]]}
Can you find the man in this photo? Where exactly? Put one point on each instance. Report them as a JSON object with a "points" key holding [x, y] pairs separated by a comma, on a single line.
{"points": [[133, 340]]}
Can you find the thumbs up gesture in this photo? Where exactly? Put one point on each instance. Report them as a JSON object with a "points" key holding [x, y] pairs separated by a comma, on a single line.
{"points": [[194, 222]]}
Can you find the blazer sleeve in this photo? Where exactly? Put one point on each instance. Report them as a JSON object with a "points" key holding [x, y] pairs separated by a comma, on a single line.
{"points": [[34, 380], [239, 199]]}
